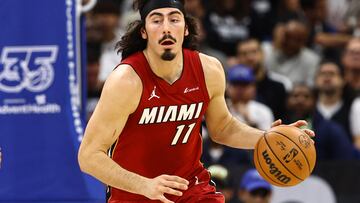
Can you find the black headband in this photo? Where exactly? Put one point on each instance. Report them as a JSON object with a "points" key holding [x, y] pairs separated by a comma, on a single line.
{"points": [[156, 4]]}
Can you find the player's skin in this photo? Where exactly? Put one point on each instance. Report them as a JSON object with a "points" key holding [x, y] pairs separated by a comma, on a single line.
{"points": [[121, 95]]}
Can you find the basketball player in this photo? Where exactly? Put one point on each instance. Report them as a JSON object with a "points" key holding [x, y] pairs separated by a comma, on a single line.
{"points": [[151, 107]]}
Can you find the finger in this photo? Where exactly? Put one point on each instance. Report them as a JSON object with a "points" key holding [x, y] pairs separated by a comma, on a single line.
{"points": [[163, 199], [309, 132], [171, 191], [299, 123], [177, 179], [176, 185], [276, 123]]}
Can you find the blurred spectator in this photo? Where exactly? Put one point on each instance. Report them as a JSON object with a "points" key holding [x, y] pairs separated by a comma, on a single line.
{"points": [[242, 91], [221, 176], [226, 23], [250, 53], [94, 85], [102, 21], [336, 11], [288, 56], [323, 37], [352, 16], [300, 104], [354, 122], [313, 189], [206, 49], [330, 104], [195, 8], [214, 153], [291, 5], [351, 63], [289, 10], [253, 188], [103, 26], [263, 18], [128, 13], [331, 140]]}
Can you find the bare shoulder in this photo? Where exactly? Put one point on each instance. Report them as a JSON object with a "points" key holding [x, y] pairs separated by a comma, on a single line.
{"points": [[123, 85], [214, 74], [124, 75], [210, 64]]}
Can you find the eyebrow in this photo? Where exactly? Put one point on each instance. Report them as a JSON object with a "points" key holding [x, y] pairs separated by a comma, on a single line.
{"points": [[160, 14], [174, 12], [155, 13]]}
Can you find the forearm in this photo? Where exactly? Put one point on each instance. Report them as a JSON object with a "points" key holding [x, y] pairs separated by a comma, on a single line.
{"points": [[238, 135], [357, 142], [332, 40], [102, 167]]}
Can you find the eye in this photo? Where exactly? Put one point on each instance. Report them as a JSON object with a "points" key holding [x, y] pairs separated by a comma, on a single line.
{"points": [[174, 20], [156, 20]]}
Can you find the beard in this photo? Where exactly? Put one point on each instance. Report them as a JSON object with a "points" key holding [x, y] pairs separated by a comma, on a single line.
{"points": [[329, 91], [167, 55]]}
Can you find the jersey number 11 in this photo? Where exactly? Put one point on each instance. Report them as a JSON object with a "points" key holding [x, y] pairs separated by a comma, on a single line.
{"points": [[179, 130]]}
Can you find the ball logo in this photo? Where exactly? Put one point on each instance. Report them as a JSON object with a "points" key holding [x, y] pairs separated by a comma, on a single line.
{"points": [[275, 170], [281, 145], [298, 164], [291, 155], [304, 140], [27, 67]]}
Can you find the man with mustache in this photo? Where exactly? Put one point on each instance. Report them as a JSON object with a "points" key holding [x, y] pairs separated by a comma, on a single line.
{"points": [[152, 106]]}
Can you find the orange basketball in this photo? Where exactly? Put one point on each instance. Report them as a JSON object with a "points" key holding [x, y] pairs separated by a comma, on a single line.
{"points": [[285, 156]]}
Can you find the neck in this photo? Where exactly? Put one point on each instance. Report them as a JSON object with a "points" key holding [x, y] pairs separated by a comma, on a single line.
{"points": [[170, 71], [329, 100], [260, 73]]}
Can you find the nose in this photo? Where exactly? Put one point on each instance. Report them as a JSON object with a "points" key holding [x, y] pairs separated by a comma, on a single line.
{"points": [[166, 27]]}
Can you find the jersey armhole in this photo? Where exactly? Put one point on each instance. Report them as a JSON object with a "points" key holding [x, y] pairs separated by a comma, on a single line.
{"points": [[202, 75]]}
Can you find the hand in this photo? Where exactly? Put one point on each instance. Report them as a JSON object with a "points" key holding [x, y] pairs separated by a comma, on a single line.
{"points": [[278, 36], [156, 188], [299, 124]]}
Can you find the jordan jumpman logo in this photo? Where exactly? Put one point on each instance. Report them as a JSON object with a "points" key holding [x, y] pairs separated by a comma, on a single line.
{"points": [[153, 94]]}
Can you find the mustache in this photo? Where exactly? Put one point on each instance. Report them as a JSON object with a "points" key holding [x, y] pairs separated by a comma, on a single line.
{"points": [[165, 37]]}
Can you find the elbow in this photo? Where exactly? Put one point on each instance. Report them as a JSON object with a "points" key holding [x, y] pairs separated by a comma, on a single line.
{"points": [[216, 136], [221, 132], [83, 159]]}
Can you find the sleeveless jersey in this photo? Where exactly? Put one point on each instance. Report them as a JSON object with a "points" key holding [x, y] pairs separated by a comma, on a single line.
{"points": [[163, 136]]}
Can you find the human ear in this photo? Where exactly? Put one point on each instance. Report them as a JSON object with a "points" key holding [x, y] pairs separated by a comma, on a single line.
{"points": [[143, 33], [186, 31]]}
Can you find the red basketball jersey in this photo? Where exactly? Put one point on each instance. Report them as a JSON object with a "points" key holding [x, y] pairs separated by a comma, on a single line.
{"points": [[163, 135]]}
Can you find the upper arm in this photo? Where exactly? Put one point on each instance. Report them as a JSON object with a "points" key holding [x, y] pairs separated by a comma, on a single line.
{"points": [[217, 114], [119, 98], [355, 117]]}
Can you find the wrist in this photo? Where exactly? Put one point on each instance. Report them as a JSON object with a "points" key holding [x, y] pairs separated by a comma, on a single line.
{"points": [[142, 185], [262, 134]]}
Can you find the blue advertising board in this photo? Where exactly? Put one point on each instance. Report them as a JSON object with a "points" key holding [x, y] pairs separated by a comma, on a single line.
{"points": [[41, 119]]}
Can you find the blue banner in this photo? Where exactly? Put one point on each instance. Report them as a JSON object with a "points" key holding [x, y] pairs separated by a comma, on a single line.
{"points": [[41, 122]]}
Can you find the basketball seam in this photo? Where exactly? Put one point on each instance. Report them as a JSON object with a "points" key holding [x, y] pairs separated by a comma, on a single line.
{"points": [[280, 161], [307, 161], [258, 160]]}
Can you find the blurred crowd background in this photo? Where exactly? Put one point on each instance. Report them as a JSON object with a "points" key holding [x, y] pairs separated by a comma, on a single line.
{"points": [[284, 59]]}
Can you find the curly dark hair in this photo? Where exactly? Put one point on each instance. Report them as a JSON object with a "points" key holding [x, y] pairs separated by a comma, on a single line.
{"points": [[132, 41]]}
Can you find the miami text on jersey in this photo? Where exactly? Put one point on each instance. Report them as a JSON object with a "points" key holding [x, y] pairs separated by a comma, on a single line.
{"points": [[162, 114]]}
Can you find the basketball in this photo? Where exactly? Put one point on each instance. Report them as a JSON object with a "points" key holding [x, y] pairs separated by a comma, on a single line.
{"points": [[284, 156]]}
